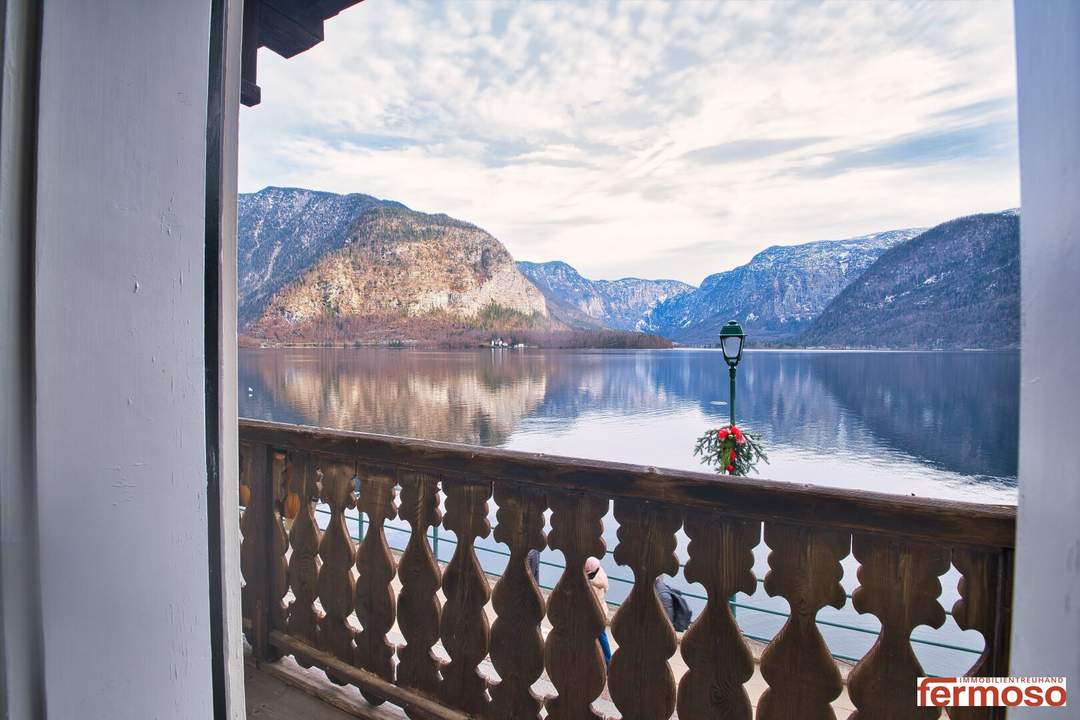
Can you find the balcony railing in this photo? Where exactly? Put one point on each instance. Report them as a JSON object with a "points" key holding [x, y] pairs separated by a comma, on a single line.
{"points": [[314, 592]]}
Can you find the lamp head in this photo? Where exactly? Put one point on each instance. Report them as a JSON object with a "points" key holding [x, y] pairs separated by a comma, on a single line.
{"points": [[731, 342]]}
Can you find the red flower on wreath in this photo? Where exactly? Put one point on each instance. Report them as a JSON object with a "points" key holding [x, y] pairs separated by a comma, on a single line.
{"points": [[730, 450]]}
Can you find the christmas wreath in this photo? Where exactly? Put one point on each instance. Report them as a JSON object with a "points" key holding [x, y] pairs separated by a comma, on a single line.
{"points": [[730, 450]]}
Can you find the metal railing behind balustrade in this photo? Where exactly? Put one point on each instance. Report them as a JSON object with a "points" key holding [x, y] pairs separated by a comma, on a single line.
{"points": [[344, 602]]}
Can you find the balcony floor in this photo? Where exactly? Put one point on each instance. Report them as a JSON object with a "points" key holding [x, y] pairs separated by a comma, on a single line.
{"points": [[285, 691], [270, 698]]}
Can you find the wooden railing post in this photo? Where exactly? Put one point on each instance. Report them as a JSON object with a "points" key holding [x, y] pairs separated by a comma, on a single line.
{"points": [[374, 600], [262, 559], [646, 639], [718, 660], [1003, 613], [303, 618], [418, 602], [898, 584], [337, 589], [805, 570], [1003, 620], [262, 509], [463, 627], [985, 605], [572, 654], [517, 645]]}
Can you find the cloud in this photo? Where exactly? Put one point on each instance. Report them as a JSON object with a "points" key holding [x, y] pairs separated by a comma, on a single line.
{"points": [[666, 138], [922, 149], [981, 109], [749, 149]]}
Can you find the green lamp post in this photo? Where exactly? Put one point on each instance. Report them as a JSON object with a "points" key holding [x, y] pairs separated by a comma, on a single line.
{"points": [[731, 343]]}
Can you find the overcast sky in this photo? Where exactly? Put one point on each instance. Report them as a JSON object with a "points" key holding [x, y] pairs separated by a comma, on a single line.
{"points": [[650, 139]]}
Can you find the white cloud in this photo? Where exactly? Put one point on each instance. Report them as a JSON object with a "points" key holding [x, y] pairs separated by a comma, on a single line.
{"points": [[654, 138]]}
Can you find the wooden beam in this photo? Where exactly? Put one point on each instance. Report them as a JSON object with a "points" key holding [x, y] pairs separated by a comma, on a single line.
{"points": [[250, 94], [287, 29], [327, 9]]}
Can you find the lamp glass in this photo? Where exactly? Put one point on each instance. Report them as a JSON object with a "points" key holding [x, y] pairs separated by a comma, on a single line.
{"points": [[732, 347], [731, 342]]}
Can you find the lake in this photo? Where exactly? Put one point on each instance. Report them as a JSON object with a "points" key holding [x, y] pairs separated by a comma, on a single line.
{"points": [[930, 424]]}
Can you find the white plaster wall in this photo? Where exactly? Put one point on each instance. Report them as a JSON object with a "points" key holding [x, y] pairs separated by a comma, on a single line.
{"points": [[119, 359], [1046, 619]]}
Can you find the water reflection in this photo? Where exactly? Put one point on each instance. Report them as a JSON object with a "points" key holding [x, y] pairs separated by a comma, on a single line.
{"points": [[398, 393], [928, 423]]}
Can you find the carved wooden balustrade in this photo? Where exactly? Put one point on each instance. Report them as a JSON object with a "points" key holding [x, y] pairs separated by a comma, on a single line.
{"points": [[342, 604]]}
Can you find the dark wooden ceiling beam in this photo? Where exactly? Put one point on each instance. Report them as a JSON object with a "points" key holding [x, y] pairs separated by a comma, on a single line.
{"points": [[327, 9], [250, 93], [288, 30], [288, 27]]}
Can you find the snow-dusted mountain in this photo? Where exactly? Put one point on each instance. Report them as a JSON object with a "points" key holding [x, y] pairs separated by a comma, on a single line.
{"points": [[312, 262], [580, 302], [954, 286], [283, 231], [776, 295]]}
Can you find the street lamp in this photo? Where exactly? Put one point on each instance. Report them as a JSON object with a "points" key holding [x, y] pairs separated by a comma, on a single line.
{"points": [[731, 342]]}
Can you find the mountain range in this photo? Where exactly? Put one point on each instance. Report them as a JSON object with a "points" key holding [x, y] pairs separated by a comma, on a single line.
{"points": [[775, 295], [320, 267], [580, 302]]}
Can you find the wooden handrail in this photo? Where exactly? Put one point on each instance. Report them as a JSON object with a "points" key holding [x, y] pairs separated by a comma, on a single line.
{"points": [[929, 519]]}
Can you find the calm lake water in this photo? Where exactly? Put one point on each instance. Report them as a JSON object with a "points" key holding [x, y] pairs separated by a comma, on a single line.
{"points": [[930, 424]]}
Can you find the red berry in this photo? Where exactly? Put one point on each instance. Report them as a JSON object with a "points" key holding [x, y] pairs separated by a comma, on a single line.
{"points": [[731, 468]]}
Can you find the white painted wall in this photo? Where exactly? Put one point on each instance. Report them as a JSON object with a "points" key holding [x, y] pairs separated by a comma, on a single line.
{"points": [[121, 457], [1046, 619]]}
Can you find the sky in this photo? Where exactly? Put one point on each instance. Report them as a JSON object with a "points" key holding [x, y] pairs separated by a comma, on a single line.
{"points": [[650, 139]]}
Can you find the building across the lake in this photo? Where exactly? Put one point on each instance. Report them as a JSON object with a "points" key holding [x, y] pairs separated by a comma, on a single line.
{"points": [[128, 588]]}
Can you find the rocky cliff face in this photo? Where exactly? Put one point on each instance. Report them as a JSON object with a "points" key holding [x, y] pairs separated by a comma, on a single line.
{"points": [[283, 231], [308, 256], [581, 302], [776, 295], [955, 286]]}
